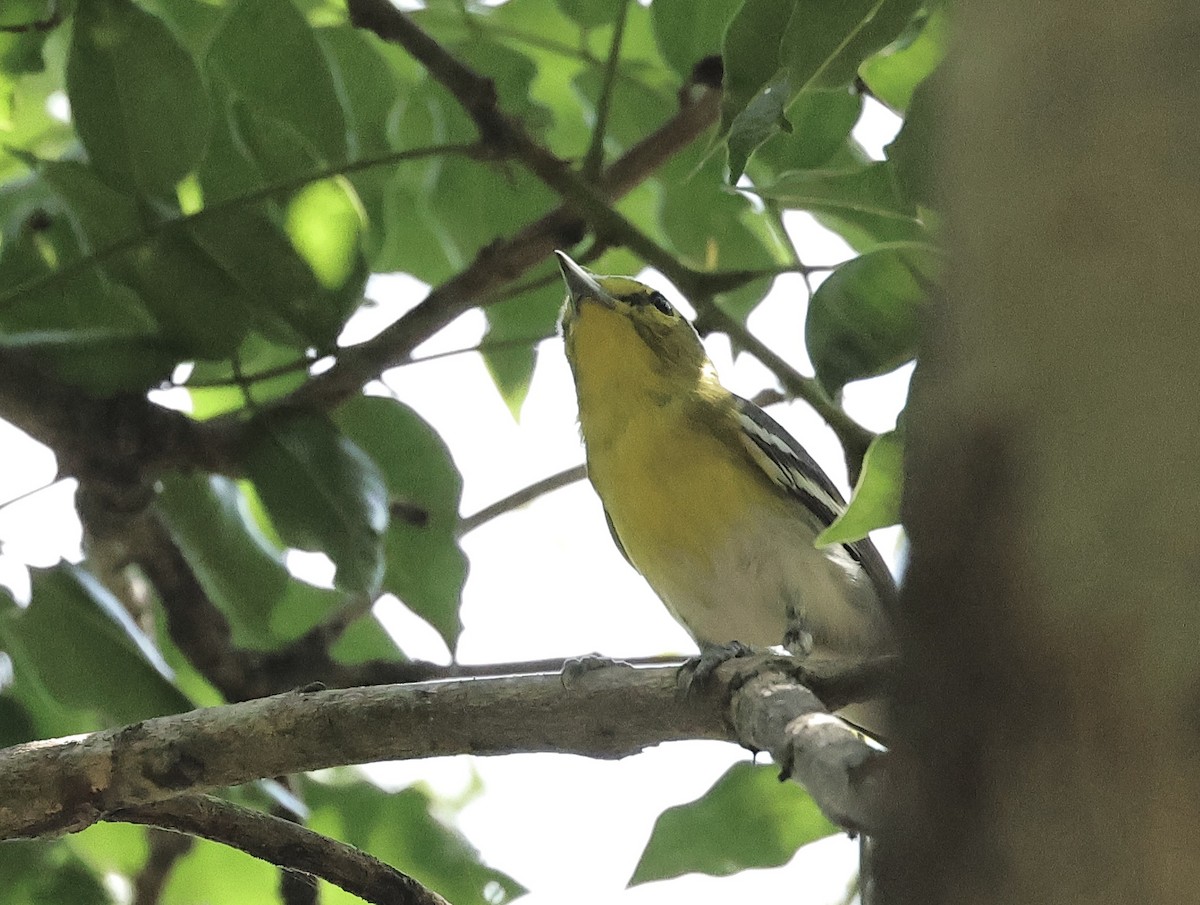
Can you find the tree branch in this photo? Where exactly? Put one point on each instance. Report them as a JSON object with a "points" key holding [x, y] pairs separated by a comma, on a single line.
{"points": [[285, 844], [204, 635], [113, 434], [65, 785], [845, 775]]}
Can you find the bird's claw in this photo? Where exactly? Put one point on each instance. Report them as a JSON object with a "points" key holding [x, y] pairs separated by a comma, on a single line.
{"points": [[577, 667], [698, 671]]}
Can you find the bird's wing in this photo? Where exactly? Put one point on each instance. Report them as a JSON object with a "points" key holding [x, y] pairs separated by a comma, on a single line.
{"points": [[789, 466], [612, 529]]}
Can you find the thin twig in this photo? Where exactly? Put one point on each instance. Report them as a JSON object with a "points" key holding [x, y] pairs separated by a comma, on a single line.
{"points": [[298, 364], [24, 495], [593, 161], [521, 497], [489, 345], [13, 294], [284, 844]]}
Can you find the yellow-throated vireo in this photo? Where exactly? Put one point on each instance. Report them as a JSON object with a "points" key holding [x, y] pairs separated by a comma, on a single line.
{"points": [[714, 503]]}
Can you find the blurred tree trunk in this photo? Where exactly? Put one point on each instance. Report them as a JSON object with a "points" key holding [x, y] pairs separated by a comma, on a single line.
{"points": [[1051, 710]]}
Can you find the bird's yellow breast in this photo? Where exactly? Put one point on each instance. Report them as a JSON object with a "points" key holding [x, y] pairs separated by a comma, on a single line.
{"points": [[674, 486], [671, 489]]}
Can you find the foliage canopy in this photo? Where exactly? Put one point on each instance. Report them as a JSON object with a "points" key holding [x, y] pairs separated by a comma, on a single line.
{"points": [[194, 193]]}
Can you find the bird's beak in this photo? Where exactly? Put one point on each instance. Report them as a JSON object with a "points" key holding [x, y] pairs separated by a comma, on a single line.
{"points": [[581, 285]]}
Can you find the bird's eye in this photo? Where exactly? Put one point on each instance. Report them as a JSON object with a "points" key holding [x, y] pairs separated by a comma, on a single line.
{"points": [[659, 301]]}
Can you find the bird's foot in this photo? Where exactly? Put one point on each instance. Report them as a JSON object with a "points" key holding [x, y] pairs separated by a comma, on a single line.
{"points": [[697, 671], [577, 667]]}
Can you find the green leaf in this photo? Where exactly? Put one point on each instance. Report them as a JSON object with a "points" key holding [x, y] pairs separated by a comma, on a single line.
{"points": [[761, 118], [747, 819], [863, 200], [867, 189], [202, 311], [266, 55], [751, 53], [32, 73], [215, 874], [17, 724], [80, 309], [103, 215], [240, 571], [21, 46], [218, 387], [876, 500], [138, 103], [590, 13], [324, 222], [916, 151], [634, 107], [322, 493], [687, 31], [425, 566], [825, 43], [895, 72], [227, 171], [821, 120], [275, 281], [709, 228], [275, 148], [109, 848], [373, 90], [821, 46], [405, 830], [38, 714], [47, 872], [863, 320], [470, 208], [409, 238], [85, 651], [363, 640], [529, 316], [193, 23]]}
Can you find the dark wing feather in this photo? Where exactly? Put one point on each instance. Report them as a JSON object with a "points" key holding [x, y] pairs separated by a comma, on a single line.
{"points": [[790, 467], [616, 540]]}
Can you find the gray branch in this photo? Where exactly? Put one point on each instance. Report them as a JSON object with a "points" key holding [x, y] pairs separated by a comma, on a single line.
{"points": [[64, 785]]}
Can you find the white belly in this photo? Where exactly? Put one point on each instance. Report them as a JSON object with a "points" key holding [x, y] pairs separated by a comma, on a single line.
{"points": [[770, 567]]}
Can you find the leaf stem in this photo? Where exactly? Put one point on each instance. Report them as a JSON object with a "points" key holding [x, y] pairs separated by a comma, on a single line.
{"points": [[594, 160], [521, 497]]}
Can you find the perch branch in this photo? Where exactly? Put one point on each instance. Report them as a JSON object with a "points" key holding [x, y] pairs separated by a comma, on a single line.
{"points": [[65, 785]]}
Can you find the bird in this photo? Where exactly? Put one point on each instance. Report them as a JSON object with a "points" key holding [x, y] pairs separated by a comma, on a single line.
{"points": [[705, 494]]}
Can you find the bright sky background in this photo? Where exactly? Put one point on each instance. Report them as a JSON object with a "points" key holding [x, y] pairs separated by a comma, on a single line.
{"points": [[546, 581]]}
